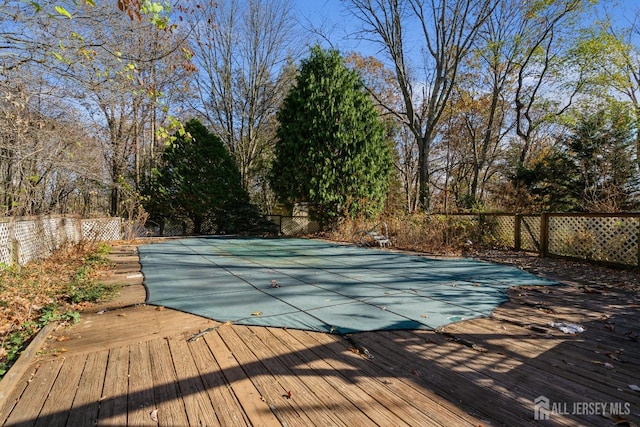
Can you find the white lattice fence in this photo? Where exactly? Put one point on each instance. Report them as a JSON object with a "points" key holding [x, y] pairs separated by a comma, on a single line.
{"points": [[5, 243], [102, 229], [609, 239], [22, 241]]}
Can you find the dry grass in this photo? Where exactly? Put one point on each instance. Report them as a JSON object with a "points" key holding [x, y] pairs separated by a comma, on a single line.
{"points": [[53, 289], [418, 232]]}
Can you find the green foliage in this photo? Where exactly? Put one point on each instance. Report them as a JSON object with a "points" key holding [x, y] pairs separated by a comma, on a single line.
{"points": [[49, 286], [600, 146], [331, 150], [18, 340], [199, 180], [592, 168]]}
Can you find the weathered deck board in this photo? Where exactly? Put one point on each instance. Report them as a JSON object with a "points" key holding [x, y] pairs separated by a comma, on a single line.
{"points": [[312, 365], [266, 372], [170, 408], [197, 404], [113, 403], [55, 410], [505, 385], [416, 405], [28, 407], [256, 409], [140, 401], [225, 405], [585, 357], [84, 410], [429, 373]]}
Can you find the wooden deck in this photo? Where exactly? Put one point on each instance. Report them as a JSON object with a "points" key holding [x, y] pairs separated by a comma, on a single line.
{"points": [[126, 363]]}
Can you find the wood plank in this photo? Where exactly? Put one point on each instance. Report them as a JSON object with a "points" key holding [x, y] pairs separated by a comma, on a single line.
{"points": [[56, 408], [28, 407], [503, 381], [415, 405], [225, 403], [256, 409], [84, 410], [271, 390], [9, 401], [350, 389], [577, 350], [170, 407], [140, 401], [314, 398], [571, 378], [472, 391], [113, 403], [199, 409], [121, 327]]}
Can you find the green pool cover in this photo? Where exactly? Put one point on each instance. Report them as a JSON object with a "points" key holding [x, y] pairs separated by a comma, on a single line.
{"points": [[320, 286]]}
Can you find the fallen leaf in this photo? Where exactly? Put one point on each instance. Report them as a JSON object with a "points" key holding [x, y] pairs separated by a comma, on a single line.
{"points": [[256, 313], [154, 415]]}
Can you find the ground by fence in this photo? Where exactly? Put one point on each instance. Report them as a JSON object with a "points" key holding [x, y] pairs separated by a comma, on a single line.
{"points": [[601, 237], [23, 240]]}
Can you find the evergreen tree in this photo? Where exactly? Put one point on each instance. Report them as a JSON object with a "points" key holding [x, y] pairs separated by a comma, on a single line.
{"points": [[331, 151], [592, 168], [601, 147], [199, 180]]}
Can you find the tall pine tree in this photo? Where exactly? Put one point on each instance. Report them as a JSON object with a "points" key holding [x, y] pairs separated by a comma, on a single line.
{"points": [[331, 151]]}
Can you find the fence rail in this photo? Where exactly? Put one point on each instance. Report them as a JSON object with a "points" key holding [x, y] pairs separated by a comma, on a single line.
{"points": [[600, 237], [23, 240]]}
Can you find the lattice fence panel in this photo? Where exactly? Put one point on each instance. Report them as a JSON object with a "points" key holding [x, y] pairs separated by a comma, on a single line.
{"points": [[25, 240], [72, 230], [52, 238], [291, 226], [30, 246], [609, 239], [530, 233], [5, 244], [102, 229], [504, 229]]}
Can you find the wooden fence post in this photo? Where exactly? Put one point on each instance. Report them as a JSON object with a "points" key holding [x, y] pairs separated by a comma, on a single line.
{"points": [[544, 235], [517, 238]]}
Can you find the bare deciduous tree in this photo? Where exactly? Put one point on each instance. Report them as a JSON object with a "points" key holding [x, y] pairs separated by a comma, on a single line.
{"points": [[241, 47], [443, 31]]}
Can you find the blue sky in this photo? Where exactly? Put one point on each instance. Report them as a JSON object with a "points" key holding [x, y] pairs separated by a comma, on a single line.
{"points": [[337, 24]]}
